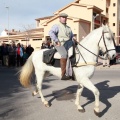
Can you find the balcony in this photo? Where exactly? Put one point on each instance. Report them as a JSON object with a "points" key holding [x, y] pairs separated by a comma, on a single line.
{"points": [[97, 22]]}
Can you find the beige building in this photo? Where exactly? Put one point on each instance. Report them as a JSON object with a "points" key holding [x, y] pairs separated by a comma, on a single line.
{"points": [[84, 16], [33, 37]]}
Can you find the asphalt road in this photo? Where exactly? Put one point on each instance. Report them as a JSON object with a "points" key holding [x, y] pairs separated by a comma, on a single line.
{"points": [[17, 103]]}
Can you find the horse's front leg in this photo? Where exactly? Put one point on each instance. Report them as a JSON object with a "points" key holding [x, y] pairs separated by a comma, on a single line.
{"points": [[89, 85], [96, 94], [78, 95], [39, 78]]}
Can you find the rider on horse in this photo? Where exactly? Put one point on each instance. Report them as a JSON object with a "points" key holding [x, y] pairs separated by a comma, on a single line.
{"points": [[63, 38]]}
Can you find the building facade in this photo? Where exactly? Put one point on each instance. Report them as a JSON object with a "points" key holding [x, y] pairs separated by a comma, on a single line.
{"points": [[83, 17]]}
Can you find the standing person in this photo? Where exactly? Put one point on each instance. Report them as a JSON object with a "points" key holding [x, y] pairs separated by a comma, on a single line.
{"points": [[12, 54], [43, 46], [25, 55], [62, 36], [4, 51], [29, 50], [19, 54], [0, 54], [51, 45], [107, 61]]}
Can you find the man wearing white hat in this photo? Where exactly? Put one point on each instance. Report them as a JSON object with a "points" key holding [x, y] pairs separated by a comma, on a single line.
{"points": [[62, 35]]}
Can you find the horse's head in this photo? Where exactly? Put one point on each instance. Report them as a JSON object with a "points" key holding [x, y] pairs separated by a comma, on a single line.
{"points": [[107, 43]]}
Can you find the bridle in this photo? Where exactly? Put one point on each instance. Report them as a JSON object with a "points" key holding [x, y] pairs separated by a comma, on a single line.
{"points": [[106, 52]]}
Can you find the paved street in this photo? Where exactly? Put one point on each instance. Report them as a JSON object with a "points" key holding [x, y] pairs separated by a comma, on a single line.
{"points": [[17, 103]]}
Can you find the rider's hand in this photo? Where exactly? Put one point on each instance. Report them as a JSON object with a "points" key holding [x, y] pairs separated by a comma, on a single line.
{"points": [[74, 38]]}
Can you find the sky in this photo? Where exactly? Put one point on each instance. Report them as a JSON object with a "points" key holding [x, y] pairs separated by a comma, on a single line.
{"points": [[22, 13]]}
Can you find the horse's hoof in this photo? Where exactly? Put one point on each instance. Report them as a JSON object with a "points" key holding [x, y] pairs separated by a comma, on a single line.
{"points": [[34, 93], [97, 113], [81, 110], [47, 105]]}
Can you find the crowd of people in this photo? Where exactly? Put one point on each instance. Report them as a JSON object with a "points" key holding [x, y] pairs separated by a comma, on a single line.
{"points": [[16, 54], [12, 55], [47, 44]]}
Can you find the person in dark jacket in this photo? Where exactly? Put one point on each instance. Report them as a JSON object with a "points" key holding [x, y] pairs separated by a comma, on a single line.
{"points": [[29, 50], [12, 54], [43, 46], [4, 50]]}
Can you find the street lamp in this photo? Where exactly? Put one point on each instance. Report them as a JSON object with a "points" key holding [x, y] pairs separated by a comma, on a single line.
{"points": [[8, 21], [94, 19]]}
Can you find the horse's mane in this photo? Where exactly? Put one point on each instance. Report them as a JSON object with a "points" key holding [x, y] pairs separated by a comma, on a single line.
{"points": [[92, 34], [96, 32]]}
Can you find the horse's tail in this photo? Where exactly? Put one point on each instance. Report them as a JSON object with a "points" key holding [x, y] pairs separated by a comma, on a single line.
{"points": [[26, 72]]}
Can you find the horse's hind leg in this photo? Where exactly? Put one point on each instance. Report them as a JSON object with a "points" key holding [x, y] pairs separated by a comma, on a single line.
{"points": [[78, 95], [39, 78], [88, 84], [35, 92]]}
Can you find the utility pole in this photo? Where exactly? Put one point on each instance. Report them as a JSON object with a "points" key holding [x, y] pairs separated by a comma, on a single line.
{"points": [[8, 20]]}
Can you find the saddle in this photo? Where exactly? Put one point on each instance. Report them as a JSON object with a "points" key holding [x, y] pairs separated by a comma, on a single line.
{"points": [[52, 57], [48, 56]]}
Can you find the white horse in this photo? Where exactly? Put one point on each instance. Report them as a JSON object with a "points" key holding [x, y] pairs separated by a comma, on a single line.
{"points": [[89, 48]]}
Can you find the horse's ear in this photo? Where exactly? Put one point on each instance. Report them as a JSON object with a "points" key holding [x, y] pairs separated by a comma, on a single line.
{"points": [[103, 25], [106, 26]]}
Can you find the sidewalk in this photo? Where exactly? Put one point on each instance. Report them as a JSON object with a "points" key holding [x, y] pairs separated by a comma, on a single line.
{"points": [[100, 65]]}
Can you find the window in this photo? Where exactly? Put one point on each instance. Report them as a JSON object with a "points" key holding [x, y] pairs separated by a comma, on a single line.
{"points": [[37, 39], [106, 10], [114, 4], [113, 14], [113, 24], [24, 40], [5, 41]]}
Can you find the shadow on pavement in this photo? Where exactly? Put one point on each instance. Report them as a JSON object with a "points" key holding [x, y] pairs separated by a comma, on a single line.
{"points": [[106, 93], [9, 82]]}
